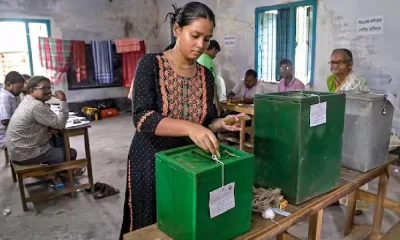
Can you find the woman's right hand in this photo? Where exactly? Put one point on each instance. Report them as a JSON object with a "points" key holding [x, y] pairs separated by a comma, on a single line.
{"points": [[205, 139]]}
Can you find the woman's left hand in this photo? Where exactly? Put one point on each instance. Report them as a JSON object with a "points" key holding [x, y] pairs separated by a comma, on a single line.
{"points": [[232, 127]]}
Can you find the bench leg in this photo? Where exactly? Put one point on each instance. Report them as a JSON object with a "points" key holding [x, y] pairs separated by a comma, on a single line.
{"points": [[7, 157], [315, 226], [351, 209], [14, 177], [89, 159], [22, 192], [380, 198]]}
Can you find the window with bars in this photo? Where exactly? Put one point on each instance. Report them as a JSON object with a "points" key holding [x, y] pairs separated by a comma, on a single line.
{"points": [[286, 31], [19, 47]]}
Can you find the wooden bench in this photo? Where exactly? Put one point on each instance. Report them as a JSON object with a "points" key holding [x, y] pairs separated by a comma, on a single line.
{"points": [[393, 233], [22, 172], [28, 171]]}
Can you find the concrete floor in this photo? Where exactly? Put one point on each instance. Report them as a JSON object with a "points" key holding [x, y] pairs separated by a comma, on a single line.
{"points": [[85, 218]]}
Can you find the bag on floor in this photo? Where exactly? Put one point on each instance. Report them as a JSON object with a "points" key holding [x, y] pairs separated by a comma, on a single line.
{"points": [[91, 114], [109, 112]]}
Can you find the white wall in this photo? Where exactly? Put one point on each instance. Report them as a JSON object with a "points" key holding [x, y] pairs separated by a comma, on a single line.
{"points": [[376, 57], [92, 20]]}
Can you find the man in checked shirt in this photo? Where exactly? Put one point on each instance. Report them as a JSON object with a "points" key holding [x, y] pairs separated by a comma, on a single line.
{"points": [[9, 101], [28, 130]]}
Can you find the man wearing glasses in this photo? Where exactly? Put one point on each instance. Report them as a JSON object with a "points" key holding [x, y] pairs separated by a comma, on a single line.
{"points": [[288, 81], [28, 131]]}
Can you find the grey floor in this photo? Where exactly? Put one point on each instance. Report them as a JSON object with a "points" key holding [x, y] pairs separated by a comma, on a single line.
{"points": [[86, 218]]}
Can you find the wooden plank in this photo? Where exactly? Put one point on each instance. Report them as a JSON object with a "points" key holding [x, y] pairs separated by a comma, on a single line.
{"points": [[371, 198], [353, 184], [360, 233], [45, 170], [393, 233], [378, 215], [351, 209], [39, 197], [244, 108], [315, 226], [286, 236], [148, 233]]}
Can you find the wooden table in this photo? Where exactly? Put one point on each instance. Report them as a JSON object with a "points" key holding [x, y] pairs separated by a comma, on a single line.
{"points": [[72, 132], [249, 110], [350, 182], [242, 108]]}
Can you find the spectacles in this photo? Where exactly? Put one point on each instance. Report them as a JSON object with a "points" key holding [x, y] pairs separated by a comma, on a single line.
{"points": [[337, 62], [43, 88], [284, 68]]}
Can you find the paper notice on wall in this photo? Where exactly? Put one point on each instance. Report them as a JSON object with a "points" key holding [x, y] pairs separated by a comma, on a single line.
{"points": [[230, 41], [370, 26], [222, 200], [318, 114]]}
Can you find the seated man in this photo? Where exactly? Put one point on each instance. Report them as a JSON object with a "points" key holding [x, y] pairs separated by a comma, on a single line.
{"points": [[288, 81], [25, 90], [245, 91], [28, 131], [9, 101]]}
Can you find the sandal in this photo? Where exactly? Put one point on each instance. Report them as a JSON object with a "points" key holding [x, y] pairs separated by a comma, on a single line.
{"points": [[106, 191], [97, 187], [79, 172]]}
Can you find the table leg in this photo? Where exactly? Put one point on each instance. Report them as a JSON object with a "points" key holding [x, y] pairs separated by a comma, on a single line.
{"points": [[351, 209], [252, 126], [315, 225], [68, 159], [242, 137], [380, 198], [89, 160]]}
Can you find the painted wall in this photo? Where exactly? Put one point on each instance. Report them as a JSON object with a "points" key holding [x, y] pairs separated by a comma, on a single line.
{"points": [[376, 57], [92, 20]]}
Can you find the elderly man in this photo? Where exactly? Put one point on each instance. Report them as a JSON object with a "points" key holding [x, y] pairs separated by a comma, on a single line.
{"points": [[28, 131]]}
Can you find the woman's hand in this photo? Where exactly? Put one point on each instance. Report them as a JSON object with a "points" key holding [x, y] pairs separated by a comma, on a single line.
{"points": [[232, 122], [204, 138]]}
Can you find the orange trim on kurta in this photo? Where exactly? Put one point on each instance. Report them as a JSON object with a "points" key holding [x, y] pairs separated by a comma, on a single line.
{"points": [[130, 197], [162, 87], [142, 119]]}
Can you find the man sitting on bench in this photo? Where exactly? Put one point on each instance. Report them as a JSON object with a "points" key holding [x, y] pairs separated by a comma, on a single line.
{"points": [[28, 130], [9, 101]]}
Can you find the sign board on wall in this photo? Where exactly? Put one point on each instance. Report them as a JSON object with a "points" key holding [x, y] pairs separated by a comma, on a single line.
{"points": [[230, 41], [370, 26]]}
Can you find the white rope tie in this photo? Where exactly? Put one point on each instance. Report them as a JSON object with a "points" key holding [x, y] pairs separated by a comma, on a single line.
{"points": [[215, 158]]}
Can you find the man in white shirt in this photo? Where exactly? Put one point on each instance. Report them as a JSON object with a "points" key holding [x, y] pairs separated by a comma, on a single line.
{"points": [[245, 91]]}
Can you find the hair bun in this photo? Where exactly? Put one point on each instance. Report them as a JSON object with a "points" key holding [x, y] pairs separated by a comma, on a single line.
{"points": [[173, 15]]}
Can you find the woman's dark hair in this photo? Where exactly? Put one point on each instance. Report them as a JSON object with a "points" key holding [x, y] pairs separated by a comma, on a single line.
{"points": [[14, 77], [171, 46], [214, 45], [347, 53], [189, 12], [251, 72], [34, 82]]}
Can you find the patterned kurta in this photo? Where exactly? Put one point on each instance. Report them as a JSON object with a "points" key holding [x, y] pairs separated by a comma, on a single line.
{"points": [[159, 92]]}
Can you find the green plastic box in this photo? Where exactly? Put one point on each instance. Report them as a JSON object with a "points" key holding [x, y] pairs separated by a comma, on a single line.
{"points": [[290, 154], [184, 179]]}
